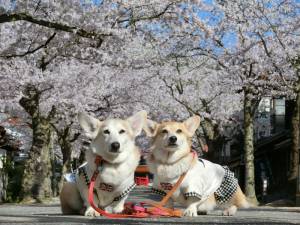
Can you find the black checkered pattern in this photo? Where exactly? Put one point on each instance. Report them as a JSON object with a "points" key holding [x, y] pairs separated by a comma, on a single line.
{"points": [[125, 193], [186, 195], [192, 194], [158, 191], [228, 187], [81, 171]]}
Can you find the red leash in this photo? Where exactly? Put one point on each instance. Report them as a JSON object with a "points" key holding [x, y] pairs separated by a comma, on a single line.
{"points": [[138, 211], [103, 212]]}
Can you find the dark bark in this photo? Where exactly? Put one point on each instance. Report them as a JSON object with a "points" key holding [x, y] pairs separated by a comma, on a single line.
{"points": [[3, 138], [213, 139], [31, 51], [37, 176], [249, 110], [65, 139], [66, 150], [295, 136], [4, 18]]}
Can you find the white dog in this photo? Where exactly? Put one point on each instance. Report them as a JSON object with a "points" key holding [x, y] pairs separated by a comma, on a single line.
{"points": [[114, 141], [206, 184]]}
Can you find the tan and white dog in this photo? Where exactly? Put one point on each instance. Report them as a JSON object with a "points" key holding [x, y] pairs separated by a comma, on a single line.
{"points": [[206, 184], [114, 141]]}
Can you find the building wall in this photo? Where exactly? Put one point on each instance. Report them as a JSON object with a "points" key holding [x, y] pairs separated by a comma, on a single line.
{"points": [[272, 150]]}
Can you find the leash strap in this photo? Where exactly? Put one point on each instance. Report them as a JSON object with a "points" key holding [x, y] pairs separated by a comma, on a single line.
{"points": [[101, 211], [157, 209], [173, 212]]}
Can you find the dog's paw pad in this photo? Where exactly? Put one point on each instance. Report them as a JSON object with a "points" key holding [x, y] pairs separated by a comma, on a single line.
{"points": [[190, 212], [91, 212]]}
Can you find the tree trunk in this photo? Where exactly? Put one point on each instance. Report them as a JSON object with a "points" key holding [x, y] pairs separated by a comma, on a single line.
{"points": [[213, 139], [66, 150], [64, 141], [295, 138], [249, 149], [36, 181]]}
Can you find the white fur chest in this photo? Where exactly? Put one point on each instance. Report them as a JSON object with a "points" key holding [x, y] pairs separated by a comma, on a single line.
{"points": [[115, 175]]}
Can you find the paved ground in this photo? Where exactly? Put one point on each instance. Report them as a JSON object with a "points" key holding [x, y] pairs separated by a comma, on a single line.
{"points": [[50, 214]]}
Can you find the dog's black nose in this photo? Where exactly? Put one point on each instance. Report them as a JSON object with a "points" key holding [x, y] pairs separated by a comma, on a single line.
{"points": [[115, 146], [172, 139]]}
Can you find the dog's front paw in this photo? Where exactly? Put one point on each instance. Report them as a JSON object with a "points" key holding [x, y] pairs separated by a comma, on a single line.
{"points": [[230, 211], [190, 211], [118, 209], [91, 212]]}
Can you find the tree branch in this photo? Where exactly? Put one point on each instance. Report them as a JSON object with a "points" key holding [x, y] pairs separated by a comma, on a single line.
{"points": [[278, 69], [75, 137], [4, 18], [188, 108], [33, 50], [133, 20]]}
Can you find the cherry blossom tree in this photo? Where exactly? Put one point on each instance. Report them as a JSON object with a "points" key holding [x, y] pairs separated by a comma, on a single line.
{"points": [[241, 37], [53, 97], [193, 86], [43, 43], [172, 58]]}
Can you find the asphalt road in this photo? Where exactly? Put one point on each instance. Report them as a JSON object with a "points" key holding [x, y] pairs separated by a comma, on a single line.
{"points": [[39, 214]]}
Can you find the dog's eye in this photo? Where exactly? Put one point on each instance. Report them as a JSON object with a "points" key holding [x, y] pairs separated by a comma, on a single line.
{"points": [[164, 131], [178, 131], [122, 131], [106, 132]]}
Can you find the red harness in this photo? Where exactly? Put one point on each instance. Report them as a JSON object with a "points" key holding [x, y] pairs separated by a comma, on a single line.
{"points": [[139, 210]]}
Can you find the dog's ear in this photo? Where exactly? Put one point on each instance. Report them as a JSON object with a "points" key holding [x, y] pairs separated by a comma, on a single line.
{"points": [[89, 124], [151, 128], [192, 124], [137, 122]]}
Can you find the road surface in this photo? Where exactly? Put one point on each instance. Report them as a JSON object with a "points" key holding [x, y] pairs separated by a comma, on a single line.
{"points": [[49, 214]]}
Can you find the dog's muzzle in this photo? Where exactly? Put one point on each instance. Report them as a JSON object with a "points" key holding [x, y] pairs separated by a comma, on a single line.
{"points": [[172, 141], [114, 147]]}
